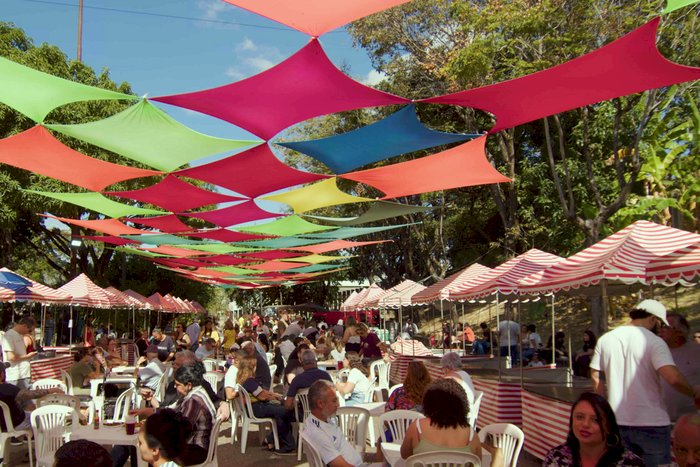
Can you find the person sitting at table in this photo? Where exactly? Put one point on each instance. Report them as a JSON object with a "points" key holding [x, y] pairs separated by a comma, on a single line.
{"points": [[162, 438], [330, 442], [182, 340], [166, 346], [208, 350], [410, 395], [266, 404], [208, 331], [358, 384], [293, 366], [85, 368], [114, 355], [141, 342], [305, 379], [452, 365], [82, 452], [594, 437], [154, 369], [445, 426], [231, 377]]}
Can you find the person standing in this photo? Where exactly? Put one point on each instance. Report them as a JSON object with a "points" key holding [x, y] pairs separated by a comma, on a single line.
{"points": [[193, 331], [508, 337], [634, 360], [15, 353], [686, 356]]}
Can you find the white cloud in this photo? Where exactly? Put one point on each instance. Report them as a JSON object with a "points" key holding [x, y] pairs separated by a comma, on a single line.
{"points": [[260, 63], [246, 45], [233, 73], [212, 8], [252, 58], [374, 77]]}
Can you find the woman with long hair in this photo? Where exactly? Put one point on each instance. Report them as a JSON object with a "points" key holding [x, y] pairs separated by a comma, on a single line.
{"points": [[358, 384], [582, 359], [230, 335], [410, 395], [182, 340], [162, 438], [594, 438], [353, 342], [207, 332]]}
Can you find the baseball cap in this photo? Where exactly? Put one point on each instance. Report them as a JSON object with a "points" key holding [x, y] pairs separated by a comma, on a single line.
{"points": [[653, 307]]}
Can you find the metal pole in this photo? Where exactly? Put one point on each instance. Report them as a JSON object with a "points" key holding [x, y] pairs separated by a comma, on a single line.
{"points": [[498, 323], [464, 337], [554, 354], [79, 55]]}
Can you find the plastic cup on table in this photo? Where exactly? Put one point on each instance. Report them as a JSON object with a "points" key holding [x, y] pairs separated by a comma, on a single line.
{"points": [[130, 424]]}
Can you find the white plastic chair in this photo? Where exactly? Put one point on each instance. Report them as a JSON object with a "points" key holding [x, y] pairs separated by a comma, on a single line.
{"points": [[474, 412], [394, 388], [507, 437], [301, 398], [235, 415], [353, 422], [159, 394], [214, 378], [210, 364], [379, 369], [121, 407], [270, 358], [273, 369], [245, 409], [67, 379], [444, 459], [312, 455], [48, 426], [49, 383], [397, 422], [212, 460], [60, 399], [369, 395], [12, 432]]}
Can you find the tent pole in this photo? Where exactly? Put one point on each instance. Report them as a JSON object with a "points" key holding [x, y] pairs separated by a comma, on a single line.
{"points": [[442, 325], [520, 319], [70, 327], [554, 354], [498, 323], [464, 338], [490, 333]]}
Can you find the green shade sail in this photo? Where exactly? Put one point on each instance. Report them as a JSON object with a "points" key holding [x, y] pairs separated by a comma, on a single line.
{"points": [[148, 135], [287, 227], [221, 248], [98, 203], [379, 210], [35, 94], [285, 242], [318, 195], [234, 270], [673, 5], [313, 268], [163, 239], [315, 259], [349, 232]]}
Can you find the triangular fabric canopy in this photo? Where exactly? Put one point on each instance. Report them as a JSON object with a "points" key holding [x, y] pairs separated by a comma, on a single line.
{"points": [[286, 227], [305, 85], [38, 151], [464, 165], [402, 298], [504, 278], [107, 226], [673, 5], [163, 239], [284, 242], [30, 291], [240, 213], [175, 195], [628, 65], [169, 251], [676, 267], [84, 292], [241, 173], [270, 254], [275, 266], [227, 260], [399, 133], [232, 270], [316, 259], [98, 203], [35, 93], [378, 210], [315, 17], [375, 302], [622, 257], [223, 248], [110, 239], [146, 134], [168, 223], [349, 232], [318, 195], [224, 235], [441, 289], [314, 268], [337, 245]]}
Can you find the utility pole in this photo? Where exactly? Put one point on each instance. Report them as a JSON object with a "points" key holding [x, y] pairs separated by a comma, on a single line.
{"points": [[80, 31]]}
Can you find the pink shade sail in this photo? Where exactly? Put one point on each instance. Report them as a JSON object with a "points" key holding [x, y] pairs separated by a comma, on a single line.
{"points": [[225, 235], [504, 279], [34, 292], [246, 211], [628, 65], [38, 151], [236, 173], [441, 289], [111, 239], [463, 165], [226, 260], [675, 267], [336, 245], [315, 17], [623, 257], [175, 251], [274, 266], [175, 195], [305, 85], [107, 226], [270, 255], [86, 293], [181, 262], [167, 224]]}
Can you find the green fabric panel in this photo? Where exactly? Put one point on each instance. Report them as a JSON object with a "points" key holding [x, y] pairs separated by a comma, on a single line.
{"points": [[286, 227], [98, 203], [222, 248], [234, 270], [35, 93], [378, 211], [284, 242], [673, 5], [315, 259], [349, 232], [312, 268], [148, 135], [163, 239]]}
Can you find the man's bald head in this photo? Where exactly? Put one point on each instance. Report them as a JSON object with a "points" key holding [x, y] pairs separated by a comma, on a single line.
{"points": [[686, 440]]}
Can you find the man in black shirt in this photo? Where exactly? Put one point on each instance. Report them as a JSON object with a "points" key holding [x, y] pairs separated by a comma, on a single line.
{"points": [[303, 380]]}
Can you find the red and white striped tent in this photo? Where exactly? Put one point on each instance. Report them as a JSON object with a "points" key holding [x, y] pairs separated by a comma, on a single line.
{"points": [[35, 292], [163, 304], [374, 303], [367, 296], [682, 265], [503, 279], [401, 297], [623, 257], [86, 293], [441, 289], [352, 298], [146, 303], [131, 302]]}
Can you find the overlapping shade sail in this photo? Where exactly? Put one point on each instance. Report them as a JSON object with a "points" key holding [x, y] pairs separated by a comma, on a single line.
{"points": [[169, 223], [38, 151], [464, 165], [336, 245], [318, 195], [224, 235], [109, 239], [98, 203], [287, 226], [628, 65], [378, 210], [305, 85], [106, 226], [240, 213], [399, 133], [349, 232], [154, 138]]}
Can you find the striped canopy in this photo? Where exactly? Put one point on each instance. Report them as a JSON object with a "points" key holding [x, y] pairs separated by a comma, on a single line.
{"points": [[442, 288], [126, 298], [87, 293], [504, 278], [146, 303], [395, 295], [622, 257], [349, 301], [34, 292], [677, 266], [365, 297]]}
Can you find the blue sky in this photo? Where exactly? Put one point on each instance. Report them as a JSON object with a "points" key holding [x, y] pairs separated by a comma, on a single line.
{"points": [[172, 46]]}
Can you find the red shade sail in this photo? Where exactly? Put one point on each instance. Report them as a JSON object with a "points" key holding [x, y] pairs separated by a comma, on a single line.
{"points": [[441, 289], [464, 165], [246, 211], [225, 235], [175, 195], [269, 255], [240, 173], [107, 226], [628, 65], [305, 85], [38, 151], [336, 245], [84, 292], [167, 224]]}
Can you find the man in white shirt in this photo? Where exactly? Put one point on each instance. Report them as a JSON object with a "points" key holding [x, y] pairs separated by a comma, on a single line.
{"points": [[508, 338], [325, 437], [15, 353], [634, 360], [686, 356], [154, 369]]}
